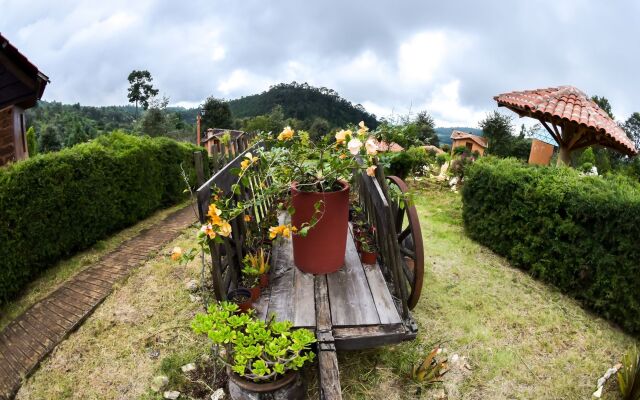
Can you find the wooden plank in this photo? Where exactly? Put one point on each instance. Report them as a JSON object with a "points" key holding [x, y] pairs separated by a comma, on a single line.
{"points": [[349, 294], [329, 376], [367, 337], [303, 296], [323, 308], [280, 300]]}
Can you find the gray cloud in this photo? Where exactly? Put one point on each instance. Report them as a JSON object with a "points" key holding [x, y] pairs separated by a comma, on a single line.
{"points": [[450, 57]]}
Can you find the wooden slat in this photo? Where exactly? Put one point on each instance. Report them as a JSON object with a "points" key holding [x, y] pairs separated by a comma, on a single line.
{"points": [[280, 301], [329, 376], [303, 296], [367, 337], [351, 299]]}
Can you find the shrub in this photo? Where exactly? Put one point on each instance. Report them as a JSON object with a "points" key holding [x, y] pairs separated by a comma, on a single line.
{"points": [[578, 233], [55, 204]]}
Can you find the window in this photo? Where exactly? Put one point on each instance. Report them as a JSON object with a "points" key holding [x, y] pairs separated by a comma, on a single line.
{"points": [[469, 145]]}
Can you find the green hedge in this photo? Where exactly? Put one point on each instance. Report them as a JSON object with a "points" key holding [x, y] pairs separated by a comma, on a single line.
{"points": [[581, 234], [55, 204]]}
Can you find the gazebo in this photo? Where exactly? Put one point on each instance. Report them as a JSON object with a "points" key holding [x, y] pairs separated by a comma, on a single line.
{"points": [[572, 119]]}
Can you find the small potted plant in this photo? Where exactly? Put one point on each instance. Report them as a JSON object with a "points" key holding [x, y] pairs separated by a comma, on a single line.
{"points": [[368, 252], [261, 357], [240, 297], [258, 265]]}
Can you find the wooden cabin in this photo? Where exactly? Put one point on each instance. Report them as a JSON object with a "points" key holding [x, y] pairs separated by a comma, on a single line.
{"points": [[21, 86], [468, 140], [214, 137]]}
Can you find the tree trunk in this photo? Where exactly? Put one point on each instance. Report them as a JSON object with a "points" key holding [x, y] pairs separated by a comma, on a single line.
{"points": [[564, 156]]}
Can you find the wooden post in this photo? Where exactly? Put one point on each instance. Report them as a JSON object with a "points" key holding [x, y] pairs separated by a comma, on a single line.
{"points": [[198, 118], [564, 156], [199, 166]]}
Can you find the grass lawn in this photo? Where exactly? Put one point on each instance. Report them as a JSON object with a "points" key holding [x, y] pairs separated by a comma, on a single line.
{"points": [[521, 339]]}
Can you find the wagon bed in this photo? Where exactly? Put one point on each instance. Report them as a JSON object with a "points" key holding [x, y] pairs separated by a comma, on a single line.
{"points": [[360, 306], [360, 310]]}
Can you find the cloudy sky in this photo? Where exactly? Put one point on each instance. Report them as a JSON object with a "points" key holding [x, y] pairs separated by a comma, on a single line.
{"points": [[448, 57]]}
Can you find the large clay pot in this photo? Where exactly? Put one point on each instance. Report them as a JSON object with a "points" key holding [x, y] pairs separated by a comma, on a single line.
{"points": [[322, 250], [288, 387]]}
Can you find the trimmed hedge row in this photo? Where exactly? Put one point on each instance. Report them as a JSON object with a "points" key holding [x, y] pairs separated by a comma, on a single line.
{"points": [[581, 234], [58, 203]]}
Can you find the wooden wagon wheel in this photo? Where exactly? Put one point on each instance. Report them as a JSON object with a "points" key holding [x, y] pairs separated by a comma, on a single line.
{"points": [[409, 238]]}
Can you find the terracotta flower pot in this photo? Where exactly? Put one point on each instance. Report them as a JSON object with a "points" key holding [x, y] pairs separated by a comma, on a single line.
{"points": [[242, 297], [288, 386], [264, 280], [322, 250], [368, 258], [255, 292]]}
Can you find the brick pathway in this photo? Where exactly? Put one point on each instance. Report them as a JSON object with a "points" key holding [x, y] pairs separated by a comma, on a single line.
{"points": [[33, 335]]}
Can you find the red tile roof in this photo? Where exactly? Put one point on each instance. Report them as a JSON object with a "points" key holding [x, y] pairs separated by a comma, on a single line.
{"points": [[458, 135], [393, 147], [568, 105]]}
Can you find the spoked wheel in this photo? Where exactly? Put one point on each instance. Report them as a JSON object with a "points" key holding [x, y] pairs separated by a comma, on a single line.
{"points": [[409, 237]]}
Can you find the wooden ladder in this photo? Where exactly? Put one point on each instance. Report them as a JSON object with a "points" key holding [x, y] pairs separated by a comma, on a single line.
{"points": [[328, 373]]}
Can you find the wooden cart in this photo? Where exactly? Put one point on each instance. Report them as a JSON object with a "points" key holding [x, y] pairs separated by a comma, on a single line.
{"points": [[359, 306]]}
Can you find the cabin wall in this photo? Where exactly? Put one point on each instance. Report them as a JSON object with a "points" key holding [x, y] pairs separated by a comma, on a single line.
{"points": [[13, 141], [463, 142], [541, 152]]}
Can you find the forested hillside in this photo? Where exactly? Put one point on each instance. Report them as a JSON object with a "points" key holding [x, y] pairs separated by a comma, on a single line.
{"points": [[304, 103]]}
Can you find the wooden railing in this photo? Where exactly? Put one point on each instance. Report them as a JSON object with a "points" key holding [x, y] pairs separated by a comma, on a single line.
{"points": [[375, 202], [227, 256], [224, 153]]}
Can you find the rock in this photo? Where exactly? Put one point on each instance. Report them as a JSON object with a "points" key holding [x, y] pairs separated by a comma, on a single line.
{"points": [[153, 354], [159, 382], [601, 381], [194, 298], [171, 394], [192, 285], [454, 358], [453, 181], [188, 367], [218, 394]]}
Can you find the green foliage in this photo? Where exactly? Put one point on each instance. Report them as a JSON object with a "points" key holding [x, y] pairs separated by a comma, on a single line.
{"points": [[578, 233], [426, 129], [141, 89], [411, 161], [32, 142], [272, 122], [56, 204], [254, 349], [217, 114], [498, 129], [75, 124], [629, 375], [49, 140], [443, 158], [603, 103], [632, 128], [304, 103], [587, 160]]}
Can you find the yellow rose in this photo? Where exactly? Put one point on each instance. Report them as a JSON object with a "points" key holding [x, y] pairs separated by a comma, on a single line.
{"points": [[341, 136], [371, 171], [354, 146], [245, 164], [225, 229], [247, 218], [176, 254], [286, 134], [213, 210], [371, 146]]}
